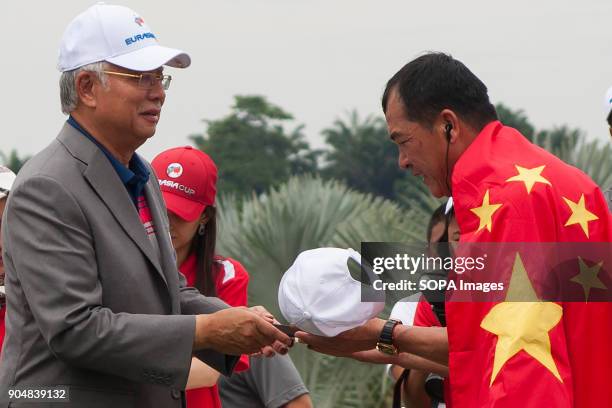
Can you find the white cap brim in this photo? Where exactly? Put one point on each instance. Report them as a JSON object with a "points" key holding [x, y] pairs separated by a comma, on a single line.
{"points": [[151, 58]]}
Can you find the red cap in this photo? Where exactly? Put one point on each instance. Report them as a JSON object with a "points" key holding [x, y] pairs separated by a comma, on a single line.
{"points": [[187, 178]]}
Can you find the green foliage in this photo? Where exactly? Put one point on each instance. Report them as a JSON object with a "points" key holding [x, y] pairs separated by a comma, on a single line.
{"points": [[412, 194], [592, 158], [270, 230], [560, 141], [13, 161], [252, 149], [362, 155]]}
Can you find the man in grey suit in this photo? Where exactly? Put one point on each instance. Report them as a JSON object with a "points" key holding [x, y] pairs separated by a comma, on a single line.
{"points": [[96, 305]]}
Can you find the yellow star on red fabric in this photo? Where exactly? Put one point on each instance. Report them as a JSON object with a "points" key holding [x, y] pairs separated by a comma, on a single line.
{"points": [[587, 277], [580, 215], [485, 213], [529, 176], [522, 325]]}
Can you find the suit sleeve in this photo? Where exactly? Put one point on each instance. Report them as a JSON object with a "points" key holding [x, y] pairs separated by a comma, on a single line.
{"points": [[51, 245], [193, 303]]}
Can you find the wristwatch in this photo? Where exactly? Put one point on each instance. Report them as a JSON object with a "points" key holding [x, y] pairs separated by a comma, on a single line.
{"points": [[385, 341]]}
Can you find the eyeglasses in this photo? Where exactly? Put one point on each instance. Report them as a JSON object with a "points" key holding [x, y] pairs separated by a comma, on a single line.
{"points": [[146, 80]]}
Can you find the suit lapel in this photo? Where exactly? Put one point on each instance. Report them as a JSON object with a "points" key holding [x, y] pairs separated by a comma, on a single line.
{"points": [[105, 181], [162, 233]]}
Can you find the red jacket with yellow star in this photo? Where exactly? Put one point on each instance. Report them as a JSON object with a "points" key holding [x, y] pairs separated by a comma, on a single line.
{"points": [[521, 354]]}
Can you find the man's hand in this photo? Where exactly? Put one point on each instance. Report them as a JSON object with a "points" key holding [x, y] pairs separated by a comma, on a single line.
{"points": [[430, 343], [346, 343], [263, 312], [236, 331], [277, 346]]}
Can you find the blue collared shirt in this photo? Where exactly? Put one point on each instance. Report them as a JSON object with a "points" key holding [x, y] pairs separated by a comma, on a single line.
{"points": [[134, 177]]}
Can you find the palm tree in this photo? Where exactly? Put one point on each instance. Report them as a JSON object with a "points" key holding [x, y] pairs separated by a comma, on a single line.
{"points": [[412, 193], [361, 154], [572, 146], [560, 141], [594, 160], [270, 230]]}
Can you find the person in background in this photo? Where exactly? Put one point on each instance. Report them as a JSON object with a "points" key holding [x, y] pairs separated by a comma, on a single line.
{"points": [[6, 181], [268, 383], [188, 178], [416, 311]]}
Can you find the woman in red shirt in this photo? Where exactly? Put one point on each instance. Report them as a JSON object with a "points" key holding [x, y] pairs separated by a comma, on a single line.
{"points": [[188, 179]]}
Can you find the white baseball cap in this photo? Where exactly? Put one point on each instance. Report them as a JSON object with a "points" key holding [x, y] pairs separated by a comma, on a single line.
{"points": [[318, 294], [118, 35], [608, 102], [7, 177]]}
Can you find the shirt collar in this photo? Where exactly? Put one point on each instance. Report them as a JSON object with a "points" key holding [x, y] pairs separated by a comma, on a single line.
{"points": [[135, 173]]}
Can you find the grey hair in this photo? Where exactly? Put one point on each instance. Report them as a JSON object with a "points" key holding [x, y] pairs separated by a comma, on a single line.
{"points": [[69, 96]]}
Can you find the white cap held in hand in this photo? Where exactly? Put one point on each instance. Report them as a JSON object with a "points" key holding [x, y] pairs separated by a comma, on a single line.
{"points": [[318, 294]]}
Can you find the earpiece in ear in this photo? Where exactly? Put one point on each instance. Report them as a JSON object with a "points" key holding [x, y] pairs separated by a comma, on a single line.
{"points": [[448, 129]]}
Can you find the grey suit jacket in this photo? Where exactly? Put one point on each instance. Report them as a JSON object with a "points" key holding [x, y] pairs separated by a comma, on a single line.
{"points": [[91, 305]]}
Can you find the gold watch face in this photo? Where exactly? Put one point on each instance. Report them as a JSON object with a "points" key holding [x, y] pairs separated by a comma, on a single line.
{"points": [[386, 348]]}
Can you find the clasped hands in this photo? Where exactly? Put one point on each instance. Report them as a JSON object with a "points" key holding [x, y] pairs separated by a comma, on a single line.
{"points": [[240, 330]]}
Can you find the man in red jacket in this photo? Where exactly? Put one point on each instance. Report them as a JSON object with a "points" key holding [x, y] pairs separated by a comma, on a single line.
{"points": [[505, 190]]}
